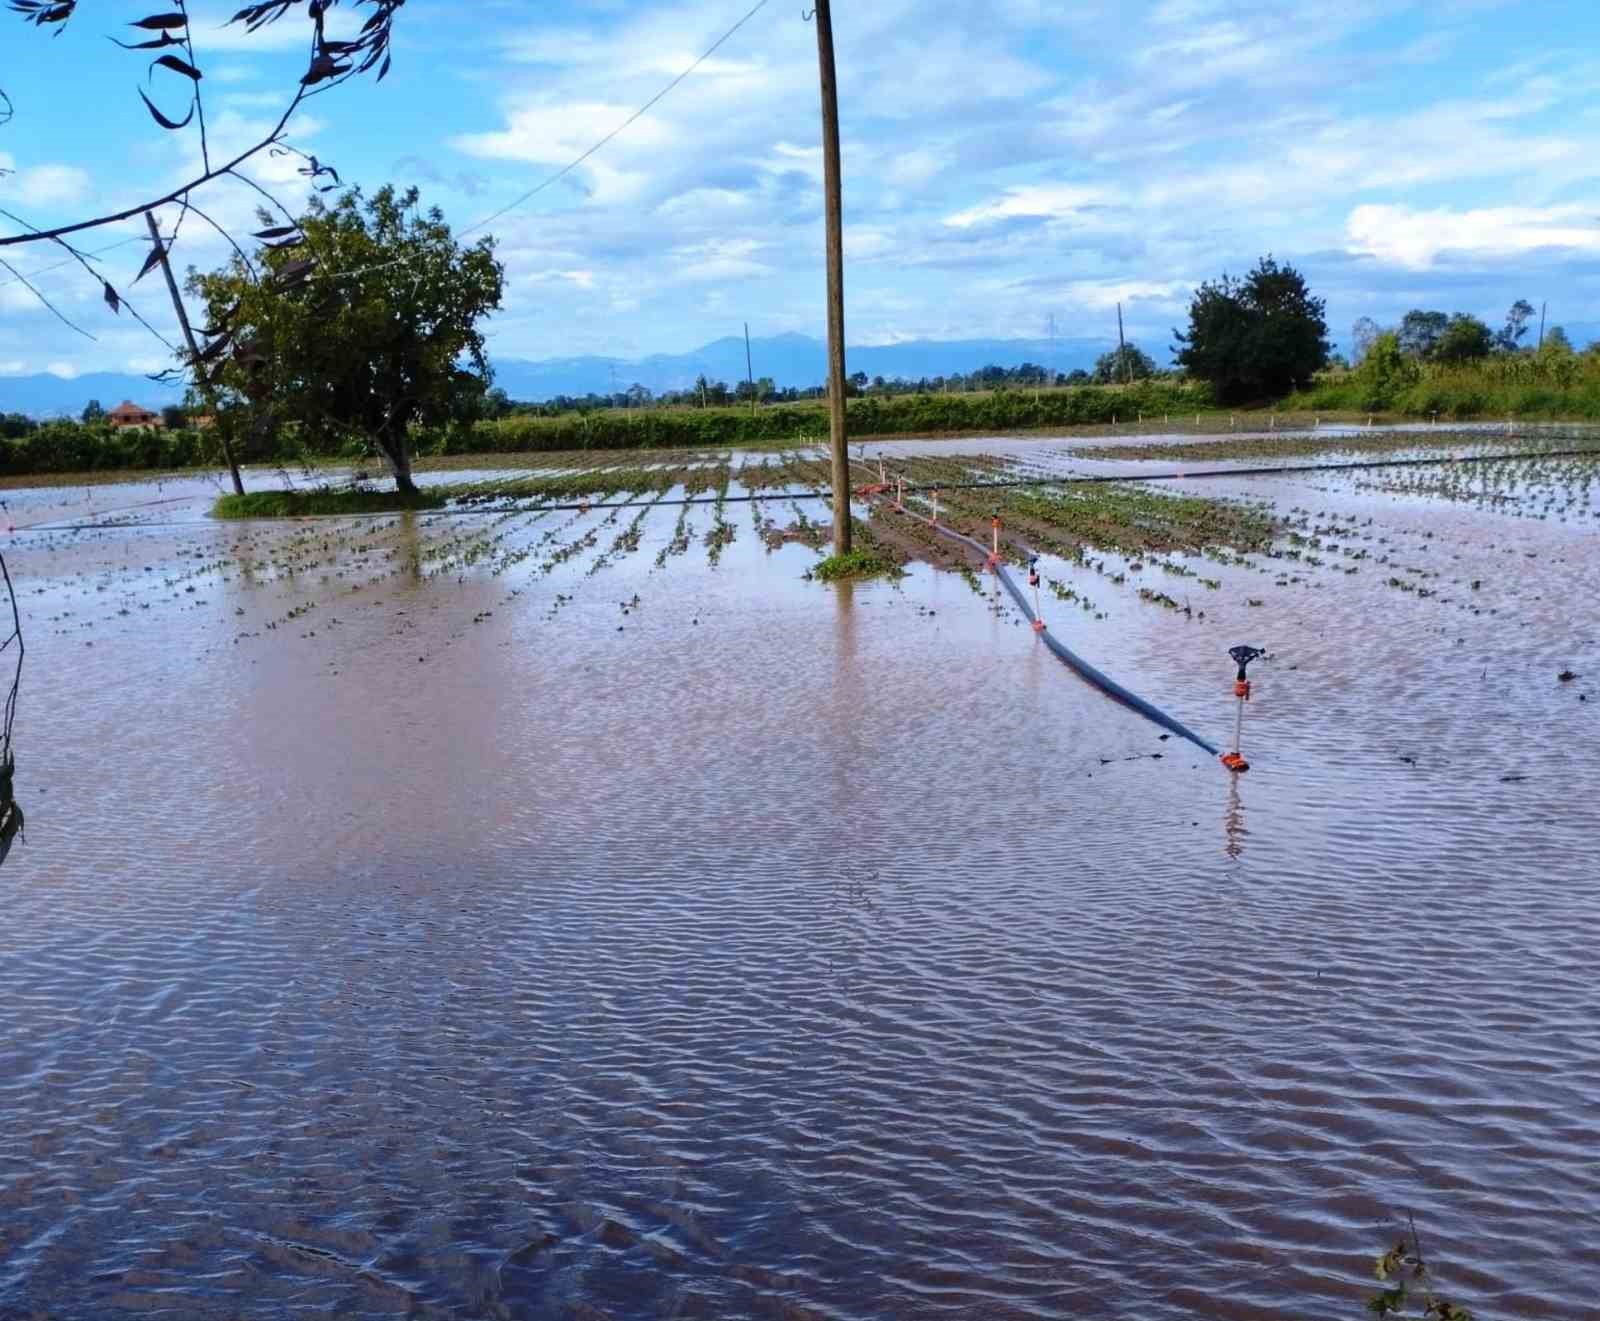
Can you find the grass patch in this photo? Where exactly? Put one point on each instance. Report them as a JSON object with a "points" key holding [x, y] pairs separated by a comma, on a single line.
{"points": [[298, 504], [857, 564], [1306, 444]]}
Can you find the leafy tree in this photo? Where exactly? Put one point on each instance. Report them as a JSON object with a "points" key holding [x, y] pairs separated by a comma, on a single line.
{"points": [[1077, 376], [93, 411], [1465, 339], [1128, 363], [175, 101], [14, 426], [364, 337], [1421, 331], [1385, 371], [1556, 341], [1362, 335], [1257, 337], [174, 418], [1510, 337]]}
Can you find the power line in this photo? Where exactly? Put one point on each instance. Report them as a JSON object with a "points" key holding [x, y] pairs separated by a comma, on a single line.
{"points": [[68, 261], [627, 123], [579, 160]]}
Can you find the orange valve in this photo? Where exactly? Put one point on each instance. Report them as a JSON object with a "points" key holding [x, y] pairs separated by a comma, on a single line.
{"points": [[1242, 656]]}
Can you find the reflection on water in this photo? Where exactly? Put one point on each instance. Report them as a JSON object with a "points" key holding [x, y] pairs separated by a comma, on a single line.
{"points": [[1233, 822], [526, 939]]}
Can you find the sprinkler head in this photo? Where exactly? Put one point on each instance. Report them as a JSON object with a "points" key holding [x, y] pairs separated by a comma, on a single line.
{"points": [[1242, 657]]}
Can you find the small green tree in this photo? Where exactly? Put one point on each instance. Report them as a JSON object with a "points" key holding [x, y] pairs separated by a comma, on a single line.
{"points": [[1128, 363], [1556, 342], [1509, 340], [365, 324], [1465, 339], [1385, 371], [93, 411], [1421, 331], [1258, 337]]}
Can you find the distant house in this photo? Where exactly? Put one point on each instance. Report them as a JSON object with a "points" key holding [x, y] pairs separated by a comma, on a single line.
{"points": [[129, 414]]}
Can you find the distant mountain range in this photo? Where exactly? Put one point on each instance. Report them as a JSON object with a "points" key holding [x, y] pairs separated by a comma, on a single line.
{"points": [[790, 360]]}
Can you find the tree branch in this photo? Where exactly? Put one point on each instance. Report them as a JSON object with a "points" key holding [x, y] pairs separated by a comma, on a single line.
{"points": [[189, 206], [177, 194], [112, 296], [28, 285]]}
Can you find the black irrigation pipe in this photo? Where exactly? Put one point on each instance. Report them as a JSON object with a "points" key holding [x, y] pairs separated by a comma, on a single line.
{"points": [[1079, 479], [1070, 658]]}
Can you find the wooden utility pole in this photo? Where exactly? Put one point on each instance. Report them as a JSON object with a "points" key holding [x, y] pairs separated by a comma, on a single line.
{"points": [[1122, 346], [749, 372], [201, 385], [835, 217]]}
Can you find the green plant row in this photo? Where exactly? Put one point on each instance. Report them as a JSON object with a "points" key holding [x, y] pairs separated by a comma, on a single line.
{"points": [[90, 447], [646, 428]]}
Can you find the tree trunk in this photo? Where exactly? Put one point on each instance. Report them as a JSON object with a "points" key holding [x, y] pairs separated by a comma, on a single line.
{"points": [[394, 449]]}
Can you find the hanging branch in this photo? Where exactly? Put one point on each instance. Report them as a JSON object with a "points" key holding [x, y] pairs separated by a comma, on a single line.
{"points": [[332, 62], [11, 819]]}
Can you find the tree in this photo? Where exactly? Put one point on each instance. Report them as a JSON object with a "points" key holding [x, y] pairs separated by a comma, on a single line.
{"points": [[1516, 326], [1556, 342], [174, 418], [1465, 338], [1257, 337], [1362, 335], [1129, 363], [331, 62], [365, 336], [1385, 371], [93, 411], [1421, 331]]}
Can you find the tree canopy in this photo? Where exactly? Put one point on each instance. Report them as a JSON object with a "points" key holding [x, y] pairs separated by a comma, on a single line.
{"points": [[368, 326], [1465, 338], [1126, 363], [1254, 338], [1510, 337], [1420, 332]]}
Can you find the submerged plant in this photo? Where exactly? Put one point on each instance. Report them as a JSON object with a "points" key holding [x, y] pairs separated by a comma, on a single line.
{"points": [[1404, 1262]]}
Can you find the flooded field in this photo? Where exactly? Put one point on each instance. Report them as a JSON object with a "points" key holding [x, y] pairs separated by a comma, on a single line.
{"points": [[514, 912]]}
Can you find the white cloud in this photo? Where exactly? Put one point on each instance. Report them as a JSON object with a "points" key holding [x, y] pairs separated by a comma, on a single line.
{"points": [[42, 185], [1417, 239], [1033, 201]]}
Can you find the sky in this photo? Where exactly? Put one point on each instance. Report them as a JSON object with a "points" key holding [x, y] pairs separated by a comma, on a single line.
{"points": [[1005, 163]]}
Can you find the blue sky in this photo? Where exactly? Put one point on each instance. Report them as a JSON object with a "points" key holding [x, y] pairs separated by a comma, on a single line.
{"points": [[1004, 162]]}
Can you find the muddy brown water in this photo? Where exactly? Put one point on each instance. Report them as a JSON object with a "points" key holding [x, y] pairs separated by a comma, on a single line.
{"points": [[406, 930]]}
